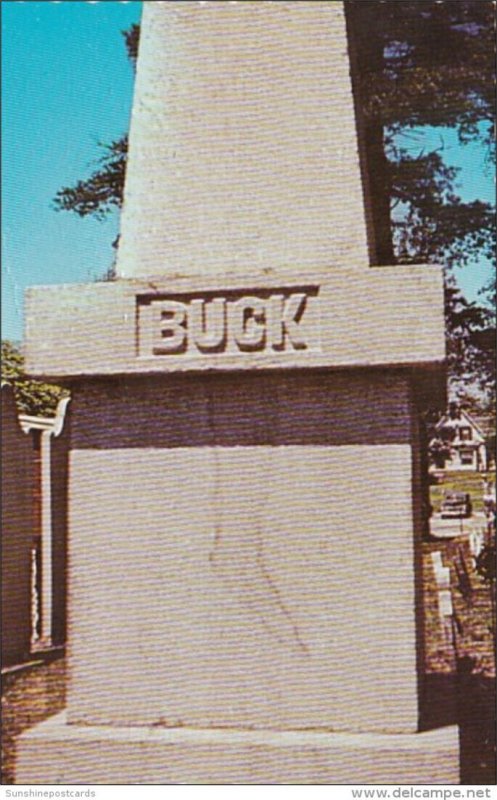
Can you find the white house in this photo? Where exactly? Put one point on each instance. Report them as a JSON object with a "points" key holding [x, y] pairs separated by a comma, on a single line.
{"points": [[464, 439]]}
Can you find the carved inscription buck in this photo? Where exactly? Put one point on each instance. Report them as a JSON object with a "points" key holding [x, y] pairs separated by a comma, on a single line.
{"points": [[270, 321]]}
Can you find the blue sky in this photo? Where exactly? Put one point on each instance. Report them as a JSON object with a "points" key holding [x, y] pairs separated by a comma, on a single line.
{"points": [[475, 181], [67, 85]]}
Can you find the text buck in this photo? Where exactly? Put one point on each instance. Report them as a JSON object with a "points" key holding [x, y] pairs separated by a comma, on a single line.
{"points": [[215, 324]]}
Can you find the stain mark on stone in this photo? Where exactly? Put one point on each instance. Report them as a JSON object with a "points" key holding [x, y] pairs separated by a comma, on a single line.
{"points": [[237, 552], [242, 568]]}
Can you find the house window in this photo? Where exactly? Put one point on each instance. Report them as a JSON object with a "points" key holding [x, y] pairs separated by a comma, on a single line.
{"points": [[465, 434], [447, 433], [466, 456]]}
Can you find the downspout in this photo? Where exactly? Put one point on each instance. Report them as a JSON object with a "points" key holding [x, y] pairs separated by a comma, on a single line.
{"points": [[46, 539], [46, 524]]}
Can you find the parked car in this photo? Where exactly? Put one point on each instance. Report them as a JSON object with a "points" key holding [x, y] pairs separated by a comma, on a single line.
{"points": [[456, 505]]}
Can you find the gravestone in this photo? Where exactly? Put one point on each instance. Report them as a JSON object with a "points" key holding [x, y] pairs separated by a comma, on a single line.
{"points": [[444, 595], [476, 542], [245, 476]]}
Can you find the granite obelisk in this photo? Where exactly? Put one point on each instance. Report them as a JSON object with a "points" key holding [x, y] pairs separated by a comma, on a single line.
{"points": [[246, 493]]}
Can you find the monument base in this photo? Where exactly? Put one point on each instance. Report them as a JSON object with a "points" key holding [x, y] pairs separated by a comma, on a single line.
{"points": [[57, 753]]}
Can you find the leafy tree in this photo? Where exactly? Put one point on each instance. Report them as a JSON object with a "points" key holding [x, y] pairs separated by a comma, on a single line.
{"points": [[430, 64], [35, 398], [419, 63], [471, 350], [103, 190]]}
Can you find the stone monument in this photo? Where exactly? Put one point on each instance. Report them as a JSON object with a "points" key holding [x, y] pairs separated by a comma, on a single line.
{"points": [[245, 473]]}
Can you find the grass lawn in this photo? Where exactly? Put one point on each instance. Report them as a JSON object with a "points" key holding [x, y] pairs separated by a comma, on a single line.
{"points": [[459, 681], [471, 482], [473, 632]]}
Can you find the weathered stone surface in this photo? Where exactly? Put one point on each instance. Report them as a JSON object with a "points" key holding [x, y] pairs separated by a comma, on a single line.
{"points": [[384, 316], [218, 538], [91, 754], [242, 139], [245, 476]]}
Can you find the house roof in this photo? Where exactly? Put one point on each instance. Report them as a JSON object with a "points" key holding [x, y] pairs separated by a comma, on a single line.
{"points": [[463, 416]]}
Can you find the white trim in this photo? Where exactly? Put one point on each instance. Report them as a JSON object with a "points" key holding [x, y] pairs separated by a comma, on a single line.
{"points": [[46, 539]]}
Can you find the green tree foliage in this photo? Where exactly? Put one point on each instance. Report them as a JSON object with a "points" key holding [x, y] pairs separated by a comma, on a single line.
{"points": [[32, 397], [132, 39], [103, 191], [431, 64], [419, 63]]}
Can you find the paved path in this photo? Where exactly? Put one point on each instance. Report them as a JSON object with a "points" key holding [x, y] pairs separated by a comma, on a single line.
{"points": [[450, 528]]}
